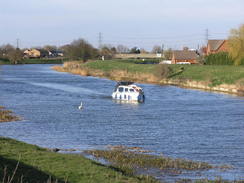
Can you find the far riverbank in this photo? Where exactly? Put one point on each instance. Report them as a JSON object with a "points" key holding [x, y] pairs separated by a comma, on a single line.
{"points": [[227, 79]]}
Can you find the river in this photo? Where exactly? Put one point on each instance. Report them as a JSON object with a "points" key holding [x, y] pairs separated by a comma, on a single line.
{"points": [[177, 122]]}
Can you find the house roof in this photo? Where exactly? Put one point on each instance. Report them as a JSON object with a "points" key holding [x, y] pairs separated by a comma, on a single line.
{"points": [[215, 44], [185, 55]]}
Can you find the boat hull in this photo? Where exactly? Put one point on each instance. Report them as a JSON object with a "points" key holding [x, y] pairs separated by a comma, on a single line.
{"points": [[128, 97]]}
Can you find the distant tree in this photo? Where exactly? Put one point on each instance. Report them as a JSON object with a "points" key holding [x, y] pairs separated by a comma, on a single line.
{"points": [[64, 47], [201, 60], [122, 49], [185, 48], [236, 44], [107, 53], [168, 54], [80, 50], [157, 49], [15, 56], [135, 50], [113, 50], [5, 49], [50, 47], [9, 53], [142, 50]]}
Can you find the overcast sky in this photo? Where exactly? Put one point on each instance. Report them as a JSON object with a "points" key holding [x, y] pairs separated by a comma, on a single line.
{"points": [[142, 23]]}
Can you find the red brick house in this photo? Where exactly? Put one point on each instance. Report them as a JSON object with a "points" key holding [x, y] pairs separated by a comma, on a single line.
{"points": [[216, 46], [184, 57]]}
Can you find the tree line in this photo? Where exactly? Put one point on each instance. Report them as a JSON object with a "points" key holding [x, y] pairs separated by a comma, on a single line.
{"points": [[80, 49]]}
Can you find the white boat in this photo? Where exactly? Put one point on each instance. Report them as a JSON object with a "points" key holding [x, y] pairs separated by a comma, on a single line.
{"points": [[127, 91]]}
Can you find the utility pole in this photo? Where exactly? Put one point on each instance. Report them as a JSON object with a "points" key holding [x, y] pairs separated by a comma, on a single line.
{"points": [[100, 39], [162, 51], [206, 36], [162, 48], [17, 43]]}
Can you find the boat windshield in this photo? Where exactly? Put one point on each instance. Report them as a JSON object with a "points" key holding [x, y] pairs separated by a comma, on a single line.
{"points": [[121, 89]]}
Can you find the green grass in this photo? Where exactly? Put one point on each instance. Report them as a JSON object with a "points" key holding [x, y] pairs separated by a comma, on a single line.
{"points": [[215, 74], [120, 65], [38, 165], [223, 74]]}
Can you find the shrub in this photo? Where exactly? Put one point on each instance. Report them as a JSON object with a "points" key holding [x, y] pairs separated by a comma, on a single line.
{"points": [[163, 71], [221, 58]]}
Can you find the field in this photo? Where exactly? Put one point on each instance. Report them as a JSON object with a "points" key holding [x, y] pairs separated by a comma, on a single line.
{"points": [[217, 73], [213, 75]]}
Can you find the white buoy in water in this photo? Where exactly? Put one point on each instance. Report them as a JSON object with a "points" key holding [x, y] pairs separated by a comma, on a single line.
{"points": [[81, 106]]}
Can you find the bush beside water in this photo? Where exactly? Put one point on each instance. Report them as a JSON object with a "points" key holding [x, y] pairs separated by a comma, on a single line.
{"points": [[222, 58]]}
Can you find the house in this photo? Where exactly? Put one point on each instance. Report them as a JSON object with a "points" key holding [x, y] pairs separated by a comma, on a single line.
{"points": [[32, 53], [166, 62], [184, 57], [55, 53], [216, 46], [35, 53]]}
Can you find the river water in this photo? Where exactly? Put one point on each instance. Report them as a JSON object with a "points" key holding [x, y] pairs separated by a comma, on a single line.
{"points": [[177, 122]]}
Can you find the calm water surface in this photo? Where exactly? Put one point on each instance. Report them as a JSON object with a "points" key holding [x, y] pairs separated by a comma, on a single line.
{"points": [[177, 122]]}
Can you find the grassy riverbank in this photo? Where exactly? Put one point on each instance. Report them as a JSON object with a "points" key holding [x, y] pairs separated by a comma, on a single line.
{"points": [[35, 164], [7, 115], [21, 162], [219, 78]]}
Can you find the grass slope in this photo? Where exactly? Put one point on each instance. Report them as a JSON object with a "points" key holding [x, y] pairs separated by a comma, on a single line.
{"points": [[120, 65], [38, 165], [222, 74], [216, 74]]}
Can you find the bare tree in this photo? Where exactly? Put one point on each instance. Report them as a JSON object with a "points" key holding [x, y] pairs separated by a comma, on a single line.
{"points": [[8, 52], [5, 49], [157, 49], [15, 56], [80, 49], [168, 54], [143, 50], [122, 49], [50, 47], [107, 53]]}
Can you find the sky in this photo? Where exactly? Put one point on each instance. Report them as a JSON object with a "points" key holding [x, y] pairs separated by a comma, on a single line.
{"points": [[141, 23]]}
